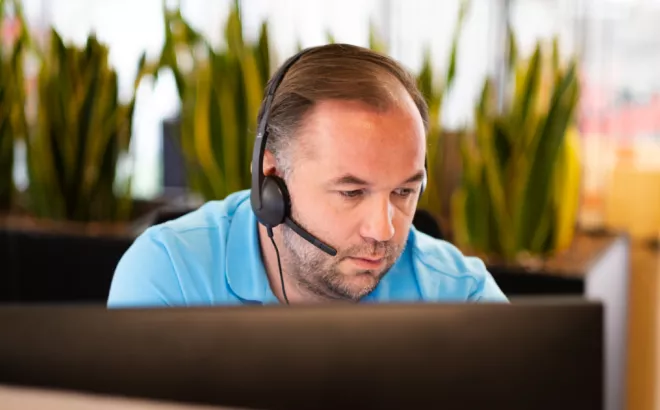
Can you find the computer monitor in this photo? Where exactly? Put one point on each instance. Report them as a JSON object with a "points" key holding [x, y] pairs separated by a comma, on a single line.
{"points": [[525, 355]]}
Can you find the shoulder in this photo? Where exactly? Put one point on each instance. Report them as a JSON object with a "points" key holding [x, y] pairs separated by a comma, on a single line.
{"points": [[213, 215], [201, 230], [444, 272], [197, 232], [176, 262]]}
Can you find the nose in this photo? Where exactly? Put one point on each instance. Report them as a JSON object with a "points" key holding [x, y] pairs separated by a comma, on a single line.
{"points": [[378, 220]]}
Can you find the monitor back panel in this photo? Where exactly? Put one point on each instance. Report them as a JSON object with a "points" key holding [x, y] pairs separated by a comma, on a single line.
{"points": [[519, 356]]}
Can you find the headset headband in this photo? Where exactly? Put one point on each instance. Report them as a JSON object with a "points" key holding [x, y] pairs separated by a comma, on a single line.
{"points": [[262, 131]]}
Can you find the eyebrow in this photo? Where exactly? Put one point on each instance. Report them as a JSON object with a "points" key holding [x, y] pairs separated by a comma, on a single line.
{"points": [[350, 179], [419, 176]]}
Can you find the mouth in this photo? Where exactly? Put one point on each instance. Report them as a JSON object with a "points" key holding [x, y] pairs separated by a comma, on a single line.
{"points": [[367, 263]]}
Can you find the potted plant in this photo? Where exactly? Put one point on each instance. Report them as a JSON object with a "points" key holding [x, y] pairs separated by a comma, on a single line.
{"points": [[521, 169], [220, 96], [520, 183], [77, 216]]}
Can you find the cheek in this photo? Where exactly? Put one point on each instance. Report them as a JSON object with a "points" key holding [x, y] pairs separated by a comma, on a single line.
{"points": [[328, 221], [318, 213], [402, 222]]}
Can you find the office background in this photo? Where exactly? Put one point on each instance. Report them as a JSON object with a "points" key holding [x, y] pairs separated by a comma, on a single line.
{"points": [[613, 253]]}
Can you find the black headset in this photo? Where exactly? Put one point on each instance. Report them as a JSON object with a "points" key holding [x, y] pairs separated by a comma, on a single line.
{"points": [[269, 196]]}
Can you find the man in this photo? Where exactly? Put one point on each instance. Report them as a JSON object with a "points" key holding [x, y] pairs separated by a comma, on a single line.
{"points": [[346, 133]]}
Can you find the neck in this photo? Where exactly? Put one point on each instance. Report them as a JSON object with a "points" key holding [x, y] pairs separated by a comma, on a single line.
{"points": [[269, 256]]}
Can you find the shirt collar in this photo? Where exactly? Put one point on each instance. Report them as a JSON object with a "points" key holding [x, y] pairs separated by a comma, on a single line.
{"points": [[244, 268]]}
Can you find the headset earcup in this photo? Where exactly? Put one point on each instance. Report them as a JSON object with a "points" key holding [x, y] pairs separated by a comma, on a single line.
{"points": [[275, 200]]}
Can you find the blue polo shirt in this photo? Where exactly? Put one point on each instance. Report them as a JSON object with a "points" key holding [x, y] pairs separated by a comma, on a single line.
{"points": [[212, 256]]}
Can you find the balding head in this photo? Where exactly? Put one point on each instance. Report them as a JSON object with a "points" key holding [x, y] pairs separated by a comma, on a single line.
{"points": [[336, 72]]}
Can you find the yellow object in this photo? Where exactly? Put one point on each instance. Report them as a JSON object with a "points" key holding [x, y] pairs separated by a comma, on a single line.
{"points": [[633, 201], [567, 188]]}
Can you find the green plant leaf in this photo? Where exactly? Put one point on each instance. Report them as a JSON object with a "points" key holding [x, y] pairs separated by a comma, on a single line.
{"points": [[253, 86], [202, 131], [81, 133], [234, 32], [375, 42], [329, 37], [262, 54], [537, 191], [230, 136], [451, 71], [526, 100], [512, 48]]}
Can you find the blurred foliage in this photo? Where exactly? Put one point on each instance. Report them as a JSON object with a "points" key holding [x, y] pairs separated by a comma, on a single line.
{"points": [[13, 123], [220, 95], [221, 91], [520, 183], [78, 134], [81, 133], [434, 93]]}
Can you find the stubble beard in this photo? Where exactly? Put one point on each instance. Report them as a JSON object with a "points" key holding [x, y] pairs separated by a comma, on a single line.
{"points": [[319, 274]]}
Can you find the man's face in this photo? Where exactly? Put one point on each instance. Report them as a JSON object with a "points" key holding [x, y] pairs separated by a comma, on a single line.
{"points": [[355, 182]]}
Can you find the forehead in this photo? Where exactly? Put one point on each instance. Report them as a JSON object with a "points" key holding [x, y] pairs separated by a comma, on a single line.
{"points": [[352, 137]]}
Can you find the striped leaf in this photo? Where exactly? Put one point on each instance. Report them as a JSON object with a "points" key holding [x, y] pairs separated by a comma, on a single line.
{"points": [[226, 101], [81, 133], [520, 179]]}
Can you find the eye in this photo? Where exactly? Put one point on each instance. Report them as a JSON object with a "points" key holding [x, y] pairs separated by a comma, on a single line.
{"points": [[404, 192], [351, 194]]}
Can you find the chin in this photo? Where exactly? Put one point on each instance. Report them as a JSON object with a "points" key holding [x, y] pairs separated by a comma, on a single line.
{"points": [[360, 283], [352, 283]]}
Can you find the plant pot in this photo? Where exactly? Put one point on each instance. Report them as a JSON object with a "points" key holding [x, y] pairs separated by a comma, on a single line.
{"points": [[7, 278], [571, 272], [46, 261]]}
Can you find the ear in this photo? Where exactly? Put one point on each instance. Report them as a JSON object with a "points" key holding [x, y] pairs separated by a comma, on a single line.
{"points": [[270, 164]]}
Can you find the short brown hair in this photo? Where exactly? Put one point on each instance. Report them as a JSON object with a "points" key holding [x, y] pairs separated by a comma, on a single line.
{"points": [[333, 72]]}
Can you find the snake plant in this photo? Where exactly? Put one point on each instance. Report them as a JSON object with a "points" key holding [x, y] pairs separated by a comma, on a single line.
{"points": [[220, 98], [520, 183], [221, 94], [81, 133]]}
